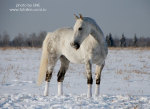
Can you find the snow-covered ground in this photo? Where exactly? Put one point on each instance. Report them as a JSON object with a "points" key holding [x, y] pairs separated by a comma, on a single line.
{"points": [[125, 82]]}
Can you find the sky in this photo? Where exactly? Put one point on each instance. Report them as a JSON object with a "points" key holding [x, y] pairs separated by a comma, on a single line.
{"points": [[115, 16]]}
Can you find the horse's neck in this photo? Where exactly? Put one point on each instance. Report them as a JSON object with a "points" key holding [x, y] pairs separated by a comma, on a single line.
{"points": [[98, 35]]}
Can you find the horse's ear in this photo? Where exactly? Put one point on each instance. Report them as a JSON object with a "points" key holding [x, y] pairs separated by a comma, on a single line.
{"points": [[81, 17], [76, 17]]}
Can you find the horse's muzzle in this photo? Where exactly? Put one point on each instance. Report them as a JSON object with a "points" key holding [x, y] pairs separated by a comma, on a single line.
{"points": [[75, 45]]}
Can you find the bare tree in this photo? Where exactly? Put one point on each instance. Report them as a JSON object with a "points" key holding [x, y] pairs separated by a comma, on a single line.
{"points": [[109, 40], [18, 40], [41, 37], [148, 42], [5, 39], [0, 40], [135, 41], [123, 41], [32, 40]]}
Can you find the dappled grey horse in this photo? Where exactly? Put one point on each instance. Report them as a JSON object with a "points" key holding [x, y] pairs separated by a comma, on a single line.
{"points": [[84, 43]]}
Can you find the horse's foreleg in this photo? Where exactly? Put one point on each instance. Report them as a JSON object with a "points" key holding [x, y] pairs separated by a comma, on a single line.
{"points": [[89, 78], [51, 63], [98, 79], [61, 74]]}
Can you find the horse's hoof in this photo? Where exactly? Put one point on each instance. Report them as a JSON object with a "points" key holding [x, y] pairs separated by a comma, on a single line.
{"points": [[45, 93]]}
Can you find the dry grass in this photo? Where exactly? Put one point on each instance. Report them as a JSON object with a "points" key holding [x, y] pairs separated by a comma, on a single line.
{"points": [[127, 77], [139, 72], [145, 66], [119, 71], [6, 74], [130, 71], [110, 48], [136, 107], [10, 69], [130, 65], [17, 48], [129, 48]]}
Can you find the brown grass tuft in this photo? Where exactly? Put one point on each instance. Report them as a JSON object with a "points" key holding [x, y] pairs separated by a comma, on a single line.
{"points": [[139, 72], [127, 77], [129, 48], [119, 71]]}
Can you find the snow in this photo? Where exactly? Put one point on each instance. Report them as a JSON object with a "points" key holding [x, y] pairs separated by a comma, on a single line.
{"points": [[125, 82], [73, 101]]}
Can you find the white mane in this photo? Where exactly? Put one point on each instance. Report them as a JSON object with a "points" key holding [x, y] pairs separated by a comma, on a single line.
{"points": [[93, 22]]}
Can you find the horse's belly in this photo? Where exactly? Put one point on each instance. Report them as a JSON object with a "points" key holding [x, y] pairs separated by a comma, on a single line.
{"points": [[75, 60]]}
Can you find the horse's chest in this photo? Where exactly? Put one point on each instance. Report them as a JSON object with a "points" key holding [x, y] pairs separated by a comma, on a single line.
{"points": [[74, 58], [97, 56], [73, 55], [85, 53]]}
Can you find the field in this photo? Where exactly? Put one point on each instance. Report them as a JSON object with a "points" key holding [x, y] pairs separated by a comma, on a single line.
{"points": [[125, 81]]}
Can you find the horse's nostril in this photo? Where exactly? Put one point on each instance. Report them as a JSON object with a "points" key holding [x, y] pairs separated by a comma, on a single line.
{"points": [[75, 45]]}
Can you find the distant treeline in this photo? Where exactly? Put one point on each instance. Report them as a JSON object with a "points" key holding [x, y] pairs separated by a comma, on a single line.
{"points": [[123, 41], [35, 40], [23, 40]]}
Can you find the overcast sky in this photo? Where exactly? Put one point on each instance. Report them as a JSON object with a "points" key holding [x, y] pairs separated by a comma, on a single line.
{"points": [[115, 16]]}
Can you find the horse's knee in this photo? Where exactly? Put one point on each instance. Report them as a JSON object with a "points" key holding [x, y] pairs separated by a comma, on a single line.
{"points": [[89, 80], [98, 73], [48, 76], [61, 75], [98, 80]]}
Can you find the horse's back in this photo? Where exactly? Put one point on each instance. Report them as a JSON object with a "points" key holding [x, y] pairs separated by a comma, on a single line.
{"points": [[58, 34], [62, 32]]}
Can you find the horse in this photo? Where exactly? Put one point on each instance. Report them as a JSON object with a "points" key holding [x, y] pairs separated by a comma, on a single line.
{"points": [[84, 43]]}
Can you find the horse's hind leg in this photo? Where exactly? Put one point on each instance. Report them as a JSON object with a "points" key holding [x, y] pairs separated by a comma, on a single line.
{"points": [[61, 73], [52, 59], [98, 78]]}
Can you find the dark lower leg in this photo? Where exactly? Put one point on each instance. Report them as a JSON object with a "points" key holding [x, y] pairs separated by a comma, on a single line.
{"points": [[61, 75], [89, 72], [48, 76], [98, 81], [90, 80], [63, 68]]}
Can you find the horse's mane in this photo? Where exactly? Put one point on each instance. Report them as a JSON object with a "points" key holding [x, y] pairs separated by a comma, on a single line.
{"points": [[93, 22], [88, 19]]}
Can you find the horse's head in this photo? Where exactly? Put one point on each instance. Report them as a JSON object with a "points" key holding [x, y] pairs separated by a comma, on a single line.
{"points": [[81, 31]]}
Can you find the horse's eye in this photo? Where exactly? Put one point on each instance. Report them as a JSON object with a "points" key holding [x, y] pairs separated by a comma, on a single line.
{"points": [[80, 28]]}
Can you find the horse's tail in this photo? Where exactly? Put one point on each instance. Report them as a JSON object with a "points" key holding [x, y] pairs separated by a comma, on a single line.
{"points": [[44, 61]]}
